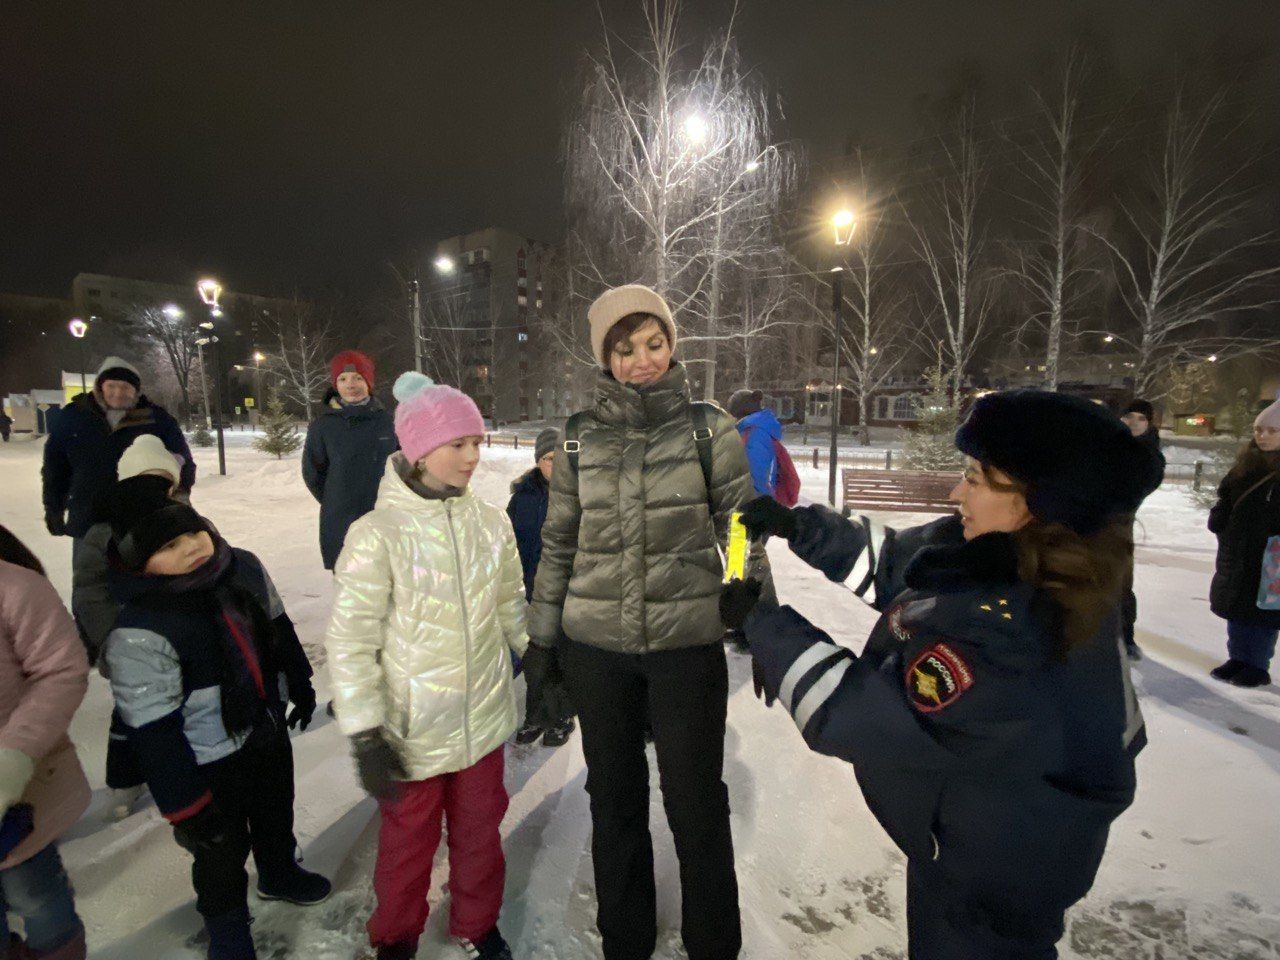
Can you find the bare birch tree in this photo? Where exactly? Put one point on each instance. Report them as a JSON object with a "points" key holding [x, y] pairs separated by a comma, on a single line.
{"points": [[950, 240], [1184, 274], [301, 335], [174, 333]]}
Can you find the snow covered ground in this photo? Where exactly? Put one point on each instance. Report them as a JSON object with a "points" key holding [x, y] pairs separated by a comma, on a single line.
{"points": [[1192, 868]]}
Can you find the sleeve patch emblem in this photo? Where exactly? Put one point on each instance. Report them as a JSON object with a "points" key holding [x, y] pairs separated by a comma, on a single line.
{"points": [[937, 677]]}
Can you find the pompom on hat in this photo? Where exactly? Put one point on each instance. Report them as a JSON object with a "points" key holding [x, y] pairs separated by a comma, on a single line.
{"points": [[1081, 465], [429, 415]]}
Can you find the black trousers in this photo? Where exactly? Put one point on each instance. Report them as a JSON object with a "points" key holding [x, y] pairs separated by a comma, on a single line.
{"points": [[123, 770], [684, 694], [254, 788]]}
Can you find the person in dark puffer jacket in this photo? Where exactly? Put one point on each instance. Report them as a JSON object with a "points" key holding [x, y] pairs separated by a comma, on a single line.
{"points": [[989, 720], [1140, 417], [203, 661], [546, 712], [345, 454], [1246, 516]]}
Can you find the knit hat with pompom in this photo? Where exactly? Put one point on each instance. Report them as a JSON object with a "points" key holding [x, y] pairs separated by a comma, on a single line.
{"points": [[429, 415]]}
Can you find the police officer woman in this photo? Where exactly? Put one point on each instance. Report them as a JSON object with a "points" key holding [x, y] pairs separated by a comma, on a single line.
{"points": [[989, 720]]}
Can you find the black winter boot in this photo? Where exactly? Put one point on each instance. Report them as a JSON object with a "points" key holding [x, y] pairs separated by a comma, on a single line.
{"points": [[528, 733], [298, 886], [558, 734], [229, 936], [492, 947], [1248, 676], [1227, 670], [398, 951]]}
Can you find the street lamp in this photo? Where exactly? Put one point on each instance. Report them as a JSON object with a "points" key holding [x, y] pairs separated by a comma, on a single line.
{"points": [[78, 329], [209, 291], [696, 128], [172, 311], [842, 225], [444, 264]]}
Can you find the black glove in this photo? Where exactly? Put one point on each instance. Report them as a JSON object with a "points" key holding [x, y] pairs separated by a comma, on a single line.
{"points": [[304, 705], [765, 515], [378, 765], [203, 831], [55, 523], [757, 681], [737, 599], [541, 665]]}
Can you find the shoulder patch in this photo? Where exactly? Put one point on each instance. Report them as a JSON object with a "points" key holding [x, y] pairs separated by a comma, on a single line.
{"points": [[937, 678]]}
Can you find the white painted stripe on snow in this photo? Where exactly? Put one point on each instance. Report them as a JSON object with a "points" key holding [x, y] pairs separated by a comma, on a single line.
{"points": [[802, 665], [820, 692]]}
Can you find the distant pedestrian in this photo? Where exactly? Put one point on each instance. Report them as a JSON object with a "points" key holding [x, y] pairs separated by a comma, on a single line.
{"points": [[1140, 417]]}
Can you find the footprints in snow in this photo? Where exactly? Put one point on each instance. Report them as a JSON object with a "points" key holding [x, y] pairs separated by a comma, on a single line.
{"points": [[820, 908]]}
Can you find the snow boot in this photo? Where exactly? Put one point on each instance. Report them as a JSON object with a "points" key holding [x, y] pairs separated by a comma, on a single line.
{"points": [[229, 936], [558, 734], [1227, 670], [397, 951], [1133, 652], [122, 801], [491, 947], [1248, 676], [298, 886], [528, 733]]}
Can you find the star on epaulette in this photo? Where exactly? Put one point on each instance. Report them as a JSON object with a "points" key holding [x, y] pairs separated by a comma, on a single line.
{"points": [[1002, 602]]}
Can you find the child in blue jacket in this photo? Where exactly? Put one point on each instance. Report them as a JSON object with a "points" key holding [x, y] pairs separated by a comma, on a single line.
{"points": [[989, 720]]}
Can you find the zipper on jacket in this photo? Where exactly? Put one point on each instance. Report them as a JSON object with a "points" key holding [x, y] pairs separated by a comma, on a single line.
{"points": [[466, 634]]}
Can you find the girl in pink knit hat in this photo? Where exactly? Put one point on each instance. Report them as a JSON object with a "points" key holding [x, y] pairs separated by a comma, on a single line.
{"points": [[429, 608]]}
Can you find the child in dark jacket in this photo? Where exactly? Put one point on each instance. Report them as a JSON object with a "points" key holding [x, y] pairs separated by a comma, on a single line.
{"points": [[546, 712], [203, 661]]}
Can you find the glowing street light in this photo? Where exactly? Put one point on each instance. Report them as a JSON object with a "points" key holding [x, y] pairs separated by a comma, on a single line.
{"points": [[1213, 358], [842, 224], [445, 264], [1109, 338], [210, 291], [753, 166], [259, 356], [171, 310], [78, 329], [697, 128]]}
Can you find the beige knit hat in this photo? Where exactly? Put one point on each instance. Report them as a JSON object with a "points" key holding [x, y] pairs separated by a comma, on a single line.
{"points": [[147, 452], [612, 305]]}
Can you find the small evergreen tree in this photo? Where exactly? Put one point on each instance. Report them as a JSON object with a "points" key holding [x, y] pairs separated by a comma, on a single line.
{"points": [[202, 437], [932, 444], [280, 433]]}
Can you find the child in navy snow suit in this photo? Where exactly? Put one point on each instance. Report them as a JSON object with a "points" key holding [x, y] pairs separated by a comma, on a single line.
{"points": [[203, 661], [989, 719], [546, 714]]}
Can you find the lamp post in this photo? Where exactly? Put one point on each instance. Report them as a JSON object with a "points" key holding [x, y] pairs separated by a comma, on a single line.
{"points": [[842, 223], [78, 329], [210, 291]]}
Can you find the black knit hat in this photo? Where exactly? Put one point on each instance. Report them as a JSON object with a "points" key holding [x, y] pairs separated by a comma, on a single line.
{"points": [[144, 519], [743, 403], [1143, 407], [1081, 465]]}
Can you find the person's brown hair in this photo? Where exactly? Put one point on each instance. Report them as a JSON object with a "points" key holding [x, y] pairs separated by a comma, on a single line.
{"points": [[1082, 575], [13, 550], [624, 328], [1249, 461]]}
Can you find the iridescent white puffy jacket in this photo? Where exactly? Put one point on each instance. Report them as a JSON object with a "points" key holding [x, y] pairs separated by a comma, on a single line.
{"points": [[430, 599]]}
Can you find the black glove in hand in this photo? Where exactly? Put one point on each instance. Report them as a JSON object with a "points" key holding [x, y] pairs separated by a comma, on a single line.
{"points": [[56, 524], [737, 599], [378, 765], [304, 705], [203, 831], [757, 681], [764, 516], [541, 665]]}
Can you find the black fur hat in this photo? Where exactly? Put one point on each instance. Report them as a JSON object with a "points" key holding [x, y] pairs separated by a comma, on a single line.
{"points": [[1144, 407], [1081, 465]]}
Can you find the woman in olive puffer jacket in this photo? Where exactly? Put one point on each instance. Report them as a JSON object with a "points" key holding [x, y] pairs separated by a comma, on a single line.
{"points": [[625, 606]]}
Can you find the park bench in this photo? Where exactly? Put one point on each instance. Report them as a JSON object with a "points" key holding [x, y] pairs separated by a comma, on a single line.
{"points": [[903, 491]]}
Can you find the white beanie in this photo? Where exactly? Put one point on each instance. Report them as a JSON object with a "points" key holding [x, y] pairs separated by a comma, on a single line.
{"points": [[146, 452], [612, 305], [116, 368], [1270, 417]]}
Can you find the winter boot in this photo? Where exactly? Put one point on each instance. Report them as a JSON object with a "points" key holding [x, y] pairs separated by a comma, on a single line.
{"points": [[1248, 676], [397, 951], [1133, 651], [1227, 670], [491, 947], [229, 936], [528, 733], [123, 799], [558, 734], [298, 886]]}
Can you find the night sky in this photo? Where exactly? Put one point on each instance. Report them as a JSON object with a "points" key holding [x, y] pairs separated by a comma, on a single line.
{"points": [[289, 145]]}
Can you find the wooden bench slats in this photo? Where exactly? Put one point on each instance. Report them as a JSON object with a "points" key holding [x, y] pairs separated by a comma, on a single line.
{"points": [[897, 491]]}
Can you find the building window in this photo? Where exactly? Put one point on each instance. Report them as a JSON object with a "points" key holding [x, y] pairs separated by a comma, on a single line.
{"points": [[522, 337], [882, 408], [904, 407]]}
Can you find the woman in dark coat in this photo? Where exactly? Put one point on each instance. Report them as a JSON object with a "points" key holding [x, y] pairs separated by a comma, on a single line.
{"points": [[989, 720], [346, 451], [546, 713], [1245, 517]]}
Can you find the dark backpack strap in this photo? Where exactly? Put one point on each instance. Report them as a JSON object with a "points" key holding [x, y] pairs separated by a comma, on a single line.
{"points": [[700, 411], [572, 446]]}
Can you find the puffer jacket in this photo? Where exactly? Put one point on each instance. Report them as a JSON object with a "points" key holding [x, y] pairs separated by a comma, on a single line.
{"points": [[43, 678], [630, 561], [430, 596], [1245, 517]]}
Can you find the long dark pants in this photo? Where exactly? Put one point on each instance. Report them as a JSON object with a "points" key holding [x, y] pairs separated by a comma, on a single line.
{"points": [[254, 788], [684, 693]]}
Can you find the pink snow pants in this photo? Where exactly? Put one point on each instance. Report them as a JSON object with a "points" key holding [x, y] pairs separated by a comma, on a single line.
{"points": [[473, 801]]}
